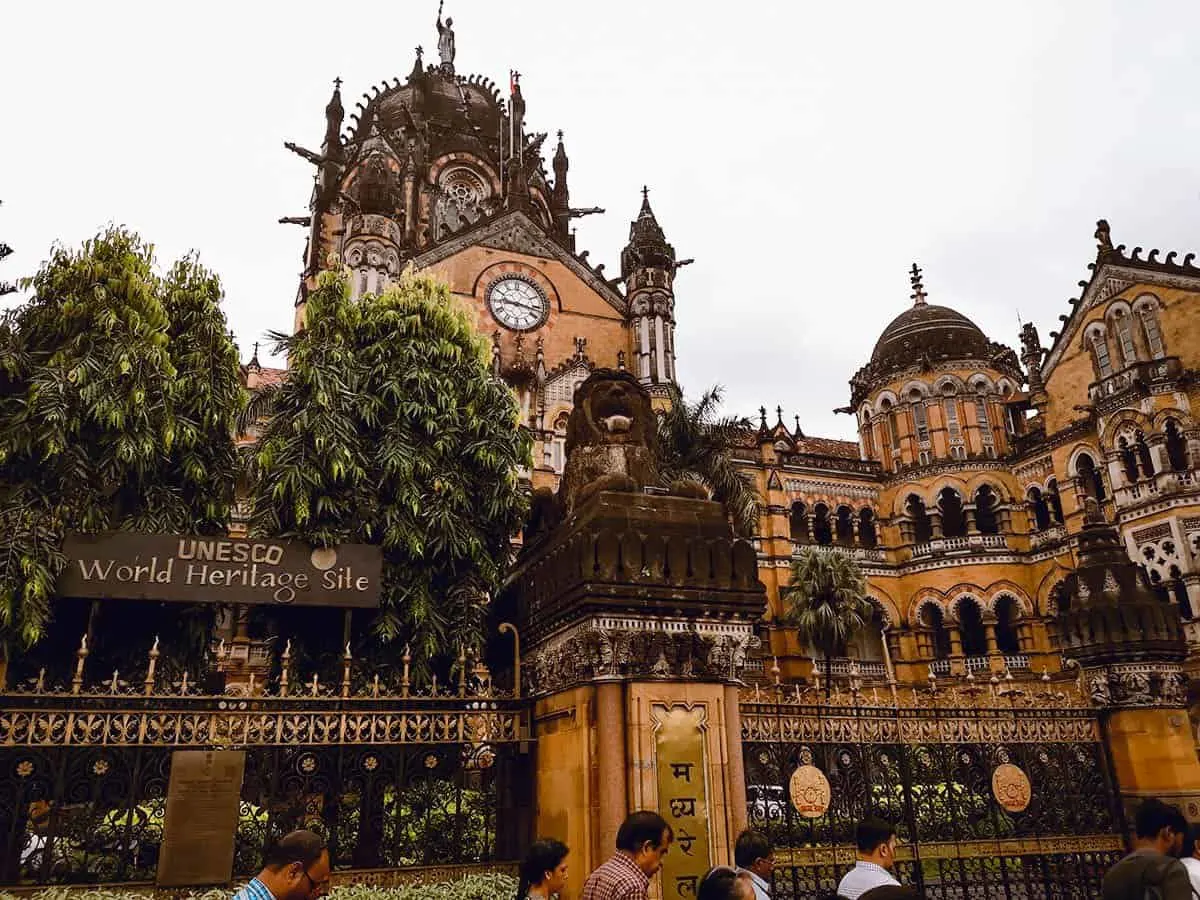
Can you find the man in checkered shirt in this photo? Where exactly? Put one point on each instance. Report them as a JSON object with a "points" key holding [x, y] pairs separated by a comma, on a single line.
{"points": [[642, 842], [296, 867]]}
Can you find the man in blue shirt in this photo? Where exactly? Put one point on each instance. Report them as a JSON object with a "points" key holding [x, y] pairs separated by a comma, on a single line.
{"points": [[296, 867], [876, 840]]}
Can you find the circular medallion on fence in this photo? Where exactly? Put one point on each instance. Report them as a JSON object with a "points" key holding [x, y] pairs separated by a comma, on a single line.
{"points": [[809, 789], [1011, 787]]}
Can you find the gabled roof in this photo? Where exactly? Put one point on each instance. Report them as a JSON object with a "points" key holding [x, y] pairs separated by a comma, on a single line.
{"points": [[515, 231], [1113, 272]]}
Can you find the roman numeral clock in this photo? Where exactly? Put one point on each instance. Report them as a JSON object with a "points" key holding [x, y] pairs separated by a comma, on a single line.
{"points": [[517, 304]]}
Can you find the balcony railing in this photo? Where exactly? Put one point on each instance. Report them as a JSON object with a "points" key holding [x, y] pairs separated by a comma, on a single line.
{"points": [[1162, 484], [1142, 373], [842, 667], [863, 554], [940, 667], [961, 544], [976, 663], [1018, 662], [1047, 536]]}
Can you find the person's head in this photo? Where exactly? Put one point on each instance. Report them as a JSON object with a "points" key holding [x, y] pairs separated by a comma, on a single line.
{"points": [[754, 853], [296, 867], [1160, 826], [876, 840], [645, 836], [1189, 843], [544, 868], [724, 883]]}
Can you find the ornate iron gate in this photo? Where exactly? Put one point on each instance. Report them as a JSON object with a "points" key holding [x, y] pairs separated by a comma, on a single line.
{"points": [[392, 782], [929, 770]]}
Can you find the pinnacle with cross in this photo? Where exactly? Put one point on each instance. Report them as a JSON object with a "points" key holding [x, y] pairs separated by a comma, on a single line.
{"points": [[420, 51], [337, 83], [918, 286]]}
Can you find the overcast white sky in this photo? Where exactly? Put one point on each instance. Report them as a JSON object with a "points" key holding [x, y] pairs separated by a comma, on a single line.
{"points": [[804, 153]]}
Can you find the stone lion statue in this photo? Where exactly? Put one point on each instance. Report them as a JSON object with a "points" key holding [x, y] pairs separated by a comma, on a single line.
{"points": [[612, 445]]}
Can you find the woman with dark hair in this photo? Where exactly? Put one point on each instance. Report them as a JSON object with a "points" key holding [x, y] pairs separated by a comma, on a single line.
{"points": [[725, 883], [544, 871]]}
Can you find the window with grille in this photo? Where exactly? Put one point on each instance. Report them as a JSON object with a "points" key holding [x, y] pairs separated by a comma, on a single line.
{"points": [[1124, 328], [1154, 339], [985, 424], [921, 420], [1100, 349]]}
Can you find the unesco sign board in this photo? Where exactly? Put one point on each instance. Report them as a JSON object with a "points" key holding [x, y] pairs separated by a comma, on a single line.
{"points": [[186, 569]]}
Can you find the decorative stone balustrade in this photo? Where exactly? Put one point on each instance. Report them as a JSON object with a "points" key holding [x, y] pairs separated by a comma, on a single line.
{"points": [[1018, 662], [1047, 536]]}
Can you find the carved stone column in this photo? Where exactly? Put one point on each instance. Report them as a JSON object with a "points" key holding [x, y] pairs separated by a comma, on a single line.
{"points": [[1130, 650], [935, 524]]}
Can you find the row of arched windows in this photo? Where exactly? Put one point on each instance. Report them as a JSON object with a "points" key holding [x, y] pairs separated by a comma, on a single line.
{"points": [[823, 525], [972, 630], [1045, 506], [1137, 459], [954, 516], [1127, 335]]}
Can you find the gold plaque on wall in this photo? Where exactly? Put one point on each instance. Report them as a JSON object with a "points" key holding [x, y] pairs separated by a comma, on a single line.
{"points": [[1011, 788], [810, 793], [201, 817], [683, 798]]}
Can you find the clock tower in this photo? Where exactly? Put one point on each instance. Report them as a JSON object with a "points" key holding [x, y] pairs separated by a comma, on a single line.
{"points": [[438, 171]]}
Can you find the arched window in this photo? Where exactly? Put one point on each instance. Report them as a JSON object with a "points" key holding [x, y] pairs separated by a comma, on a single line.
{"points": [[970, 627], [985, 425], [920, 418], [954, 523], [798, 523], [866, 528], [952, 426], [868, 437], [1100, 357], [558, 444], [1055, 501], [1008, 611], [1177, 453], [933, 621], [922, 526], [845, 525], [1144, 455], [1040, 509], [1128, 460], [1148, 314], [986, 519], [1089, 477], [822, 532], [868, 642], [1123, 326]]}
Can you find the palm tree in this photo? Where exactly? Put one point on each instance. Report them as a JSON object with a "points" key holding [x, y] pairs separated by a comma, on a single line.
{"points": [[696, 444], [826, 602]]}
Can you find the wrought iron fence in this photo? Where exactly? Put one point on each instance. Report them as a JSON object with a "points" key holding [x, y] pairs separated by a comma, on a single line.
{"points": [[392, 781], [930, 772]]}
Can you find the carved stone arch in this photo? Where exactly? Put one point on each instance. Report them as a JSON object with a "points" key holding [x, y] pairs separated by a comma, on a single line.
{"points": [[1002, 490], [1147, 299], [918, 607], [954, 605], [946, 481], [981, 383], [1008, 589], [1124, 424], [885, 397], [1117, 307], [1005, 386], [480, 167], [910, 387], [948, 386], [865, 414], [1090, 331], [1050, 582], [1183, 419], [1079, 450], [887, 615]]}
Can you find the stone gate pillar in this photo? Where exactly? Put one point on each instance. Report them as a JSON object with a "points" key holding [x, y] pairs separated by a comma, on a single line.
{"points": [[1130, 650], [638, 607]]}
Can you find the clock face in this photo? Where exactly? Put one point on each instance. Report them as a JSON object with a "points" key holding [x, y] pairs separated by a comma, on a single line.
{"points": [[517, 304]]}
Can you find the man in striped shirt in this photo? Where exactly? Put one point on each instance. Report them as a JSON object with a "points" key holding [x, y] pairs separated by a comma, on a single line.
{"points": [[296, 867]]}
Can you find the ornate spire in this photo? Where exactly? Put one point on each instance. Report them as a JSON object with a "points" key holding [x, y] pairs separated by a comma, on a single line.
{"points": [[918, 285], [561, 196], [647, 245], [418, 68], [334, 114]]}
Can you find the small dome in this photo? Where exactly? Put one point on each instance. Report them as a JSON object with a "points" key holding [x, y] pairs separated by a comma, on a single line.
{"points": [[935, 332]]}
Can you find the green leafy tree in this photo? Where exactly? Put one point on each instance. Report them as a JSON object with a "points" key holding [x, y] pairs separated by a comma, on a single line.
{"points": [[696, 443], [389, 429], [827, 602], [105, 423]]}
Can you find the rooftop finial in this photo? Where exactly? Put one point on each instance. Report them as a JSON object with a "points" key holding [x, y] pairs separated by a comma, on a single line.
{"points": [[918, 286], [645, 192], [445, 42], [1103, 237]]}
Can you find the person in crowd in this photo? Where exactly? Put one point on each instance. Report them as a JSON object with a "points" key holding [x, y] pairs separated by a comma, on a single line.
{"points": [[892, 892], [724, 883], [544, 870], [876, 841], [642, 841], [1152, 869], [296, 867], [754, 855], [1190, 857]]}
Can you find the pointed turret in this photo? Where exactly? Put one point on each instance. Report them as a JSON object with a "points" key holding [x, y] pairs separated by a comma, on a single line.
{"points": [[334, 114], [648, 267], [561, 197]]}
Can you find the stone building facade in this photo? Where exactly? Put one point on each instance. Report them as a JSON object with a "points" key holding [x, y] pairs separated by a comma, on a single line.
{"points": [[973, 463]]}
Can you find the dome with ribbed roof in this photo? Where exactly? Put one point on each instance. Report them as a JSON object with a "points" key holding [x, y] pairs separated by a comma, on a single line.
{"points": [[929, 332]]}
